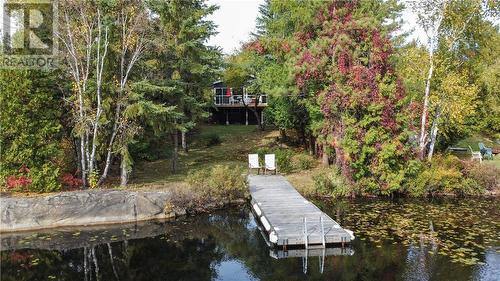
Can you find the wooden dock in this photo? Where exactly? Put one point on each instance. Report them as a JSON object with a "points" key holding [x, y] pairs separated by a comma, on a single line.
{"points": [[288, 218]]}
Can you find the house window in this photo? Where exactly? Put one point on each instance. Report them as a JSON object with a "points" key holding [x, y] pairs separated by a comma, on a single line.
{"points": [[219, 91]]}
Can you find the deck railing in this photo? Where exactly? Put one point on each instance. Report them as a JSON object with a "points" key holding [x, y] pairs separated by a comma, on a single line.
{"points": [[240, 100]]}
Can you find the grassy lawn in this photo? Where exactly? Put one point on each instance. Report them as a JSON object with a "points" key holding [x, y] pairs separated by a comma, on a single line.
{"points": [[473, 141], [236, 142]]}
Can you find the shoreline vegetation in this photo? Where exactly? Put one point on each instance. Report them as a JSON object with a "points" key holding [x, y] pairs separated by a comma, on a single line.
{"points": [[216, 171], [207, 180], [352, 108]]}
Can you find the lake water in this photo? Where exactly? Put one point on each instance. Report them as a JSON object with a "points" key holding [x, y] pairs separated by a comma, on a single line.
{"points": [[395, 240]]}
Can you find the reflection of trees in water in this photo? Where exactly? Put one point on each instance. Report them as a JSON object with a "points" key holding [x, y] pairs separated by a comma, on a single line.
{"points": [[147, 259], [144, 259], [193, 248], [247, 245], [193, 251], [424, 263]]}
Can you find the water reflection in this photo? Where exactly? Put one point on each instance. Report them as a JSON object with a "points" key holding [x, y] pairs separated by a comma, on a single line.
{"points": [[397, 241]]}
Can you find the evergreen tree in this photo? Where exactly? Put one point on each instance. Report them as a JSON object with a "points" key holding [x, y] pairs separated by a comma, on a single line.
{"points": [[345, 62], [29, 130], [263, 19], [184, 61]]}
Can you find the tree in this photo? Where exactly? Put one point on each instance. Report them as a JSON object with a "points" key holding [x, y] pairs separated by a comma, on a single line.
{"points": [[265, 16], [487, 68], [132, 26], [281, 26], [345, 61], [241, 71], [183, 62], [30, 130], [79, 21], [448, 26], [92, 33]]}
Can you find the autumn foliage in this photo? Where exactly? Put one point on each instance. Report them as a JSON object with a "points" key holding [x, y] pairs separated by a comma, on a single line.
{"points": [[71, 181], [21, 181], [347, 64]]}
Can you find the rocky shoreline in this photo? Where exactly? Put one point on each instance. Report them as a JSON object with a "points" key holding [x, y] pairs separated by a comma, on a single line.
{"points": [[89, 207]]}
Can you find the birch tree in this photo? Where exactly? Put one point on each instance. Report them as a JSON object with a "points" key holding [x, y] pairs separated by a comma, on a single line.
{"points": [[132, 25], [446, 24], [92, 31], [86, 38], [430, 16]]}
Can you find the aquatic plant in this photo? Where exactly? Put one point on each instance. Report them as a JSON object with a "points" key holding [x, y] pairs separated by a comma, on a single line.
{"points": [[459, 230]]}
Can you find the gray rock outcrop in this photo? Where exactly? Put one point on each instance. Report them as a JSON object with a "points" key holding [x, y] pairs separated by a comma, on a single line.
{"points": [[90, 207]]}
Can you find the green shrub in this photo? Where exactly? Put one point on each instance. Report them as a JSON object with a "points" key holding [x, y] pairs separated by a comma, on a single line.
{"points": [[443, 175], [219, 182], [30, 131], [469, 186], [330, 182], [211, 139], [284, 160], [261, 151], [303, 162], [45, 179], [486, 175], [37, 179]]}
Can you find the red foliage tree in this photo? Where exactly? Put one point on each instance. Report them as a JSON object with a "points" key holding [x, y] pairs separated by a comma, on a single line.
{"points": [[347, 66]]}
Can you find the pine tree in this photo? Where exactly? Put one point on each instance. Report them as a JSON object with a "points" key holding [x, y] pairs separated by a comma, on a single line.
{"points": [[185, 61]]}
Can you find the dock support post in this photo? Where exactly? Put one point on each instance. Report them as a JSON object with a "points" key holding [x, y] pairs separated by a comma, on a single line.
{"points": [[227, 118], [323, 240], [246, 117], [304, 261], [322, 261], [306, 242]]}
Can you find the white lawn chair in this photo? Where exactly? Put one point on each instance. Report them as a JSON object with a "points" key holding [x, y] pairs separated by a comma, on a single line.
{"points": [[253, 162], [270, 163], [476, 155]]}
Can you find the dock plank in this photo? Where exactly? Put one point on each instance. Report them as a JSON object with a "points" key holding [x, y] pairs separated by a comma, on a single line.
{"points": [[285, 209]]}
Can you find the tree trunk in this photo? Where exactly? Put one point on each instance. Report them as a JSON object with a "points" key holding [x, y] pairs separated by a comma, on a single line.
{"points": [[183, 141], [434, 131], [302, 137], [425, 109], [124, 172], [175, 152], [311, 145], [257, 117], [110, 146], [76, 143], [324, 157], [283, 135], [338, 158], [82, 161]]}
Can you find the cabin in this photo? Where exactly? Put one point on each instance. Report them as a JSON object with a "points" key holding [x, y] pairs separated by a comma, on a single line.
{"points": [[236, 106]]}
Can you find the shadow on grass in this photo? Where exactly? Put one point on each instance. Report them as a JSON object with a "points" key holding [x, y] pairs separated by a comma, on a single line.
{"points": [[236, 142]]}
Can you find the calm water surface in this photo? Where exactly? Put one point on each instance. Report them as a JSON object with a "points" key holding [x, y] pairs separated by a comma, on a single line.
{"points": [[396, 240]]}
